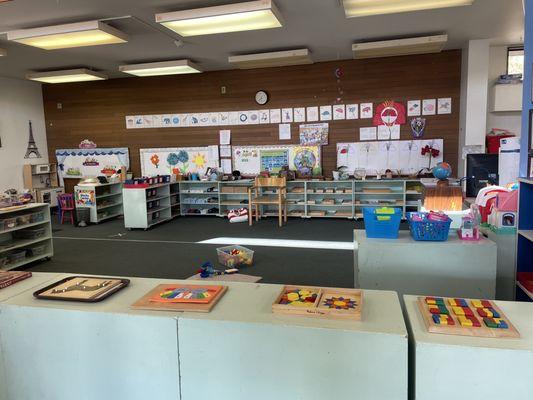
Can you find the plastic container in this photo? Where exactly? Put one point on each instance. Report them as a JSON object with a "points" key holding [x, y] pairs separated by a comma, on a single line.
{"points": [[243, 256], [36, 250], [8, 223], [32, 233], [23, 219], [428, 230], [37, 217], [382, 223], [16, 256]]}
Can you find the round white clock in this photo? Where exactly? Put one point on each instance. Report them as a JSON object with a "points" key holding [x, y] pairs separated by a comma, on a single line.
{"points": [[261, 97]]}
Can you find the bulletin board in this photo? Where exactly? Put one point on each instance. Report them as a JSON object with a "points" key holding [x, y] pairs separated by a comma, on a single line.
{"points": [[251, 160], [90, 163], [396, 155], [170, 160]]}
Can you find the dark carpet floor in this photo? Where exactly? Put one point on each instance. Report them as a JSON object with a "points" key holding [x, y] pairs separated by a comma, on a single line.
{"points": [[170, 250]]}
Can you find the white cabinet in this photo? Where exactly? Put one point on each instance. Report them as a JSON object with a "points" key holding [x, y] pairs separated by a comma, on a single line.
{"points": [[149, 206], [103, 200], [507, 98]]}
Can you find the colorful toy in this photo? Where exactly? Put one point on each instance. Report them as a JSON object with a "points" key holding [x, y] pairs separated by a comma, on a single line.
{"points": [[207, 270], [469, 229], [235, 256], [503, 211], [319, 302], [456, 316]]}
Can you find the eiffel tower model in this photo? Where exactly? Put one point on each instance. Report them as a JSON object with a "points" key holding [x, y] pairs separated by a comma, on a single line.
{"points": [[32, 147]]}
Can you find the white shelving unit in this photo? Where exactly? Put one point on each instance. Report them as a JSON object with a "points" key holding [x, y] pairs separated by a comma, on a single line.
{"points": [[146, 207], [175, 205], [25, 235], [103, 200], [199, 195]]}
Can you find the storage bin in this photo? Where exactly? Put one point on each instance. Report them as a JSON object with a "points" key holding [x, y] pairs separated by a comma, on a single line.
{"points": [[36, 250], [37, 217], [32, 233], [428, 230], [23, 219], [242, 256], [4, 260], [382, 223], [8, 223], [16, 256]]}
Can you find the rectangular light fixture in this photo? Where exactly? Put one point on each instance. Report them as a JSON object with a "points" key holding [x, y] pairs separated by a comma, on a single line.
{"points": [[400, 47], [66, 76], [247, 16], [273, 59], [161, 68], [362, 8], [80, 34]]}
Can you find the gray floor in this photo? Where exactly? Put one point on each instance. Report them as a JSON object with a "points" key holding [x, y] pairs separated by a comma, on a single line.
{"points": [[170, 250]]}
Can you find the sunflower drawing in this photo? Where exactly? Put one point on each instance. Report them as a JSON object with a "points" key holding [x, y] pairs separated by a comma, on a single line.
{"points": [[199, 160]]}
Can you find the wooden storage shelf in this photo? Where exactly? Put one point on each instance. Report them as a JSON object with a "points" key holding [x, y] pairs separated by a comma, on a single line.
{"points": [[89, 197]]}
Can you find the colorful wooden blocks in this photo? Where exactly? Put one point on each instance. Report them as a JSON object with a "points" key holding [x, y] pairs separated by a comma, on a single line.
{"points": [[495, 323], [457, 302], [443, 319], [463, 311]]}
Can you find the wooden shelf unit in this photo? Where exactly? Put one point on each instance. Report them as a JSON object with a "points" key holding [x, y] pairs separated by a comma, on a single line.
{"points": [[10, 244], [103, 200]]}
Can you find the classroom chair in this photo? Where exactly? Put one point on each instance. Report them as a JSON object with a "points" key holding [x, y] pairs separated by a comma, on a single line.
{"points": [[268, 191], [66, 205]]}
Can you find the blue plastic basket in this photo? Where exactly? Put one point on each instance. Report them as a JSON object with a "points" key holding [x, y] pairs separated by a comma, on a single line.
{"points": [[427, 230], [382, 226]]}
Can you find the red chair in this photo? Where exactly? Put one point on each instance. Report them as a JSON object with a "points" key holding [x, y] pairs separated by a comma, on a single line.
{"points": [[66, 203]]}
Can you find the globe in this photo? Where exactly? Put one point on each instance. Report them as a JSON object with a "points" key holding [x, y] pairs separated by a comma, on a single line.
{"points": [[442, 171]]}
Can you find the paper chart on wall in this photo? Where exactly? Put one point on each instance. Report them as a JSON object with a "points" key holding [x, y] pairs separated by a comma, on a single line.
{"points": [[299, 114], [172, 160], [275, 116], [286, 115], [250, 160], [312, 114], [352, 111], [398, 155]]}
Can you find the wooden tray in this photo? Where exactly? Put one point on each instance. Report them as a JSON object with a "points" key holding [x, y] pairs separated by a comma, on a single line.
{"points": [[88, 296], [144, 302], [457, 329], [329, 303]]}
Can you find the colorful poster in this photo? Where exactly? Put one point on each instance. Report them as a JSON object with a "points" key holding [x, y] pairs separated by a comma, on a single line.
{"points": [[414, 108], [312, 114], [352, 111], [314, 134], [162, 161], [444, 105], [367, 110], [299, 114], [389, 113], [326, 113], [286, 115], [274, 160], [429, 107], [339, 112], [85, 198]]}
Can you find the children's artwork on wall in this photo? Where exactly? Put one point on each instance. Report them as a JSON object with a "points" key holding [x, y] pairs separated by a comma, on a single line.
{"points": [[444, 105], [312, 114], [366, 110], [314, 134], [418, 127], [248, 159], [274, 160], [429, 107], [148, 121], [253, 117], [275, 116], [326, 113], [286, 115], [352, 111], [414, 108], [243, 118], [157, 121], [368, 133], [403, 156], [223, 118], [299, 114], [233, 118], [130, 122], [90, 163], [390, 113], [180, 160], [386, 132], [264, 116], [166, 121], [339, 112], [179, 297]]}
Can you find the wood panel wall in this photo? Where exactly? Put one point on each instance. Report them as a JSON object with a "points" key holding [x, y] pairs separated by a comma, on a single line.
{"points": [[96, 110]]}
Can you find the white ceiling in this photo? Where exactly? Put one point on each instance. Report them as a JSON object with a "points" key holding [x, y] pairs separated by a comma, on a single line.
{"points": [[319, 25]]}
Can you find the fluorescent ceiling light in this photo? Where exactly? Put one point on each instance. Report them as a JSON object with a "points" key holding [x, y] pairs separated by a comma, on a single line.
{"points": [[274, 59], [248, 16], [161, 68], [400, 47], [362, 8], [3, 52], [80, 34], [66, 76]]}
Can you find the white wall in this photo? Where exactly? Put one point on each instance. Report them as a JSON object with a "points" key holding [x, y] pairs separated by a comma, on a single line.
{"points": [[511, 121], [20, 102]]}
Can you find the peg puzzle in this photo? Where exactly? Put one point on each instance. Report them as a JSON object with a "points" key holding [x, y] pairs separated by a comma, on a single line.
{"points": [[465, 317], [82, 288], [319, 302], [180, 297]]}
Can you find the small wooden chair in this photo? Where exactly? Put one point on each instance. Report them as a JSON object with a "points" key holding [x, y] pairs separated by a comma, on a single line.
{"points": [[66, 203], [257, 197]]}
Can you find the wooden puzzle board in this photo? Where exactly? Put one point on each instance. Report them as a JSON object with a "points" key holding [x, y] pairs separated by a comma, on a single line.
{"points": [[81, 288], [329, 303], [144, 302], [457, 329]]}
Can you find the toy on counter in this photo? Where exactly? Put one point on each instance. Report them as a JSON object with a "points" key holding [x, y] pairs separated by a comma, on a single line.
{"points": [[207, 270], [469, 228], [432, 226], [504, 211]]}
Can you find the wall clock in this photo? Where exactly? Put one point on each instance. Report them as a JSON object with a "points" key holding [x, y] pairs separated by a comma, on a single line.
{"points": [[261, 97]]}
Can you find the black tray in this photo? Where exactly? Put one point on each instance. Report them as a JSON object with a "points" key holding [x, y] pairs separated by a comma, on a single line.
{"points": [[122, 285]]}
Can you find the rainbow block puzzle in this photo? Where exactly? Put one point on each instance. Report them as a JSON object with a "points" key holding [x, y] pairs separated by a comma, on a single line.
{"points": [[463, 311], [438, 309], [468, 321], [434, 301], [496, 323], [442, 319], [458, 302], [488, 313]]}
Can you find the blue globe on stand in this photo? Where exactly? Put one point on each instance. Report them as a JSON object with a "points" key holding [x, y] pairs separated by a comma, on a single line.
{"points": [[442, 171]]}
